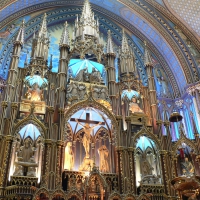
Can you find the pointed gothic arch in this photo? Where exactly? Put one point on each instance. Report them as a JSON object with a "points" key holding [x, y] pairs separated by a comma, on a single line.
{"points": [[91, 102], [58, 192], [188, 142], [147, 133], [75, 193], [40, 191], [115, 195], [31, 119]]}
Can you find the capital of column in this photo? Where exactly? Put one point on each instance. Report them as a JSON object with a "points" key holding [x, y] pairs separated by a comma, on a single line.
{"points": [[119, 117], [128, 119], [14, 105], [166, 123], [9, 137], [131, 149], [120, 148], [50, 109], [48, 141], [61, 111], [159, 122], [60, 143], [4, 104]]}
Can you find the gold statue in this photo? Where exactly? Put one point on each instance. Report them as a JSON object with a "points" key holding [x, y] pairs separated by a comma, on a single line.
{"points": [[86, 138], [103, 155], [34, 93], [69, 157]]}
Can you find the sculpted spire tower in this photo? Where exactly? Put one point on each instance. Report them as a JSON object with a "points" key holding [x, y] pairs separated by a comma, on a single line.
{"points": [[111, 71]]}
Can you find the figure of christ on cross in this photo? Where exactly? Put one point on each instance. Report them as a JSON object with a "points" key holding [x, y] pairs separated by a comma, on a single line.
{"points": [[88, 131]]}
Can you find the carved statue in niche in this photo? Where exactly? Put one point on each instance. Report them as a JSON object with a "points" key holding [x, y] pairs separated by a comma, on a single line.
{"points": [[82, 91], [103, 93], [95, 76], [95, 92], [145, 167], [134, 107], [162, 82], [69, 157], [187, 167], [34, 93], [103, 155], [87, 135], [26, 160], [27, 152]]}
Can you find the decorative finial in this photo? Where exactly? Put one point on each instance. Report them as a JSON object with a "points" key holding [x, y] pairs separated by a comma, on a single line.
{"points": [[20, 35], [147, 56], [109, 43], [65, 40], [43, 28], [125, 46]]}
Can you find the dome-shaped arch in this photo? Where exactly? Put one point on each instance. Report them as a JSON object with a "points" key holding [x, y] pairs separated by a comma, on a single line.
{"points": [[91, 102]]}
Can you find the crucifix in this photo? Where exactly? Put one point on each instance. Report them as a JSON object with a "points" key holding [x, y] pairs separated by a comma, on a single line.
{"points": [[88, 130]]}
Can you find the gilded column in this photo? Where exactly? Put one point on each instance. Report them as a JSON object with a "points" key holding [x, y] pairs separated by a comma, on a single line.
{"points": [[163, 155]]}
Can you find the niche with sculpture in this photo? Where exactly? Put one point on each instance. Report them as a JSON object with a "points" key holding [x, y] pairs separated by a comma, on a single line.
{"points": [[89, 141], [186, 161], [27, 152], [148, 170]]}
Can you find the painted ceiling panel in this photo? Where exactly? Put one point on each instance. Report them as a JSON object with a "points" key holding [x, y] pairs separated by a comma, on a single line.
{"points": [[187, 11]]}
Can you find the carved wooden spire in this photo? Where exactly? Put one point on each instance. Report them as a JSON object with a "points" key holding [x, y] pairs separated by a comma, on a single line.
{"points": [[147, 56], [20, 35], [109, 43], [125, 46], [65, 40], [43, 28]]}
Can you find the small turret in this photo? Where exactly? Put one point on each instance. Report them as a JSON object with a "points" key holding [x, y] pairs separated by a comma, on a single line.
{"points": [[109, 43], [43, 29], [86, 25], [65, 40], [125, 46], [147, 56], [20, 35]]}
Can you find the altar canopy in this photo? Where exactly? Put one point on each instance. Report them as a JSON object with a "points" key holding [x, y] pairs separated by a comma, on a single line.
{"points": [[90, 114], [75, 65], [31, 80], [130, 94]]}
